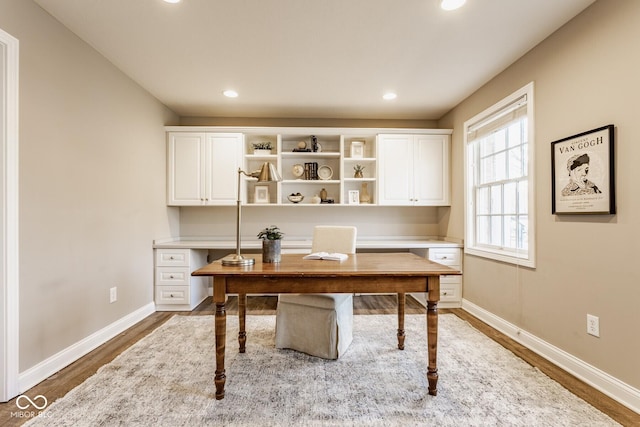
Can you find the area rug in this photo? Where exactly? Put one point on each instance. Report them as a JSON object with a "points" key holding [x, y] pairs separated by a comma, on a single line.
{"points": [[166, 379]]}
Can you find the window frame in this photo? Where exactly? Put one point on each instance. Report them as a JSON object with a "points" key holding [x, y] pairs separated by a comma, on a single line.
{"points": [[516, 256]]}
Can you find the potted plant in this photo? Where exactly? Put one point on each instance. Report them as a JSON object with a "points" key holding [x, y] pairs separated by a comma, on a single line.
{"points": [[262, 148], [271, 249], [358, 171]]}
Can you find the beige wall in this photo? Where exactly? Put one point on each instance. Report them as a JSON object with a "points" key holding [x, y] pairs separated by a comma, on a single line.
{"points": [[586, 75], [92, 186]]}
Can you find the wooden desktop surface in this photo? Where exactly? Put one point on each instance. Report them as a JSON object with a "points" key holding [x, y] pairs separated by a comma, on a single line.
{"points": [[360, 273]]}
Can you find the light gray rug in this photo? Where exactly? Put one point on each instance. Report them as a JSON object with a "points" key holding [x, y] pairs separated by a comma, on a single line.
{"points": [[166, 379]]}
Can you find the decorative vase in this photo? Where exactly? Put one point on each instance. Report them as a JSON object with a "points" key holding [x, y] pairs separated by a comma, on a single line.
{"points": [[315, 199], [358, 174], [323, 195], [364, 194], [271, 250]]}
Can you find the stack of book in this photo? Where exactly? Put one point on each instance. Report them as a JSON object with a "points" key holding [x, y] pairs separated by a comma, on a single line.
{"points": [[311, 170]]}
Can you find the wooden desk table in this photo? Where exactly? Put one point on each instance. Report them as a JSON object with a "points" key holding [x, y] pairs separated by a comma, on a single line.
{"points": [[361, 273]]}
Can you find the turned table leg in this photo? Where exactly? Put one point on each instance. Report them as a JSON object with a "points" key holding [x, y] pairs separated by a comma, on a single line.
{"points": [[219, 297], [242, 315], [433, 296], [401, 304]]}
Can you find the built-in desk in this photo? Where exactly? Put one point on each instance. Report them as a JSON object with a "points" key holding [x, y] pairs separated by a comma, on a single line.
{"points": [[185, 293]]}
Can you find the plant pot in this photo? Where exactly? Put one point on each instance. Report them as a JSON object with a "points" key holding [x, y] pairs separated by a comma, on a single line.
{"points": [[271, 251], [261, 151]]}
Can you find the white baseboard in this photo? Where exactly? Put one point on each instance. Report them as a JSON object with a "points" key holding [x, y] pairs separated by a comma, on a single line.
{"points": [[598, 379], [64, 358]]}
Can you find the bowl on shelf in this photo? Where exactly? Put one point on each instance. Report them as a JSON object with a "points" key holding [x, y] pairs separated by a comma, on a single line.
{"points": [[295, 198]]}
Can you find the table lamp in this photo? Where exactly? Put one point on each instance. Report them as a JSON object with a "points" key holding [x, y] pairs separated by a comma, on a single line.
{"points": [[267, 173]]}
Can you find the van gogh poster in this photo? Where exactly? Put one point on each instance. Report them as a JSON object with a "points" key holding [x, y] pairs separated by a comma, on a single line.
{"points": [[583, 173]]}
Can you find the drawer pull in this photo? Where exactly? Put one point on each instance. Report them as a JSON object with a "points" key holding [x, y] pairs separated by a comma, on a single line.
{"points": [[171, 277], [171, 295], [171, 257]]}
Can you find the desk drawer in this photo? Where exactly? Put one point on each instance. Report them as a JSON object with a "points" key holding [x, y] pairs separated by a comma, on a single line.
{"points": [[172, 257], [172, 295], [450, 291], [446, 256], [172, 276]]}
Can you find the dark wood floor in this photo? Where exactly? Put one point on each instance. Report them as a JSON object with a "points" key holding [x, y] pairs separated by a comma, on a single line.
{"points": [[59, 384]]}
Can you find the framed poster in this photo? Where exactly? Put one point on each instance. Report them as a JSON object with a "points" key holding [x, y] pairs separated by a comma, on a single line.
{"points": [[261, 194], [582, 173]]}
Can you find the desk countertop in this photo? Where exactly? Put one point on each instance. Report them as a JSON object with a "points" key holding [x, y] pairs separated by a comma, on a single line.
{"points": [[373, 243]]}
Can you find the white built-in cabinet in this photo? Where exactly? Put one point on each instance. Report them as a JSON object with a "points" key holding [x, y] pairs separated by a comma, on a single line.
{"points": [[450, 285], [413, 170], [175, 288], [202, 168], [402, 169]]}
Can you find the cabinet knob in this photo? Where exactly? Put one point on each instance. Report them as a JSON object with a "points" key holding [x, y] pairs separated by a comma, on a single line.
{"points": [[171, 257], [171, 277], [171, 295], [444, 293]]}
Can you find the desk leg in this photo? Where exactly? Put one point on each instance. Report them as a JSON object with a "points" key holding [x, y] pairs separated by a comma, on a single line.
{"points": [[219, 297], [242, 316], [401, 303], [433, 296]]}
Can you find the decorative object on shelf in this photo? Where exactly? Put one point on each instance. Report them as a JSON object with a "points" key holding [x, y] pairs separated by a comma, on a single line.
{"points": [[364, 194], [302, 147], [323, 195], [582, 173], [262, 148], [295, 197], [314, 143], [354, 197], [298, 170], [357, 149], [358, 171], [316, 199], [325, 172], [271, 248], [261, 194], [268, 173], [311, 170]]}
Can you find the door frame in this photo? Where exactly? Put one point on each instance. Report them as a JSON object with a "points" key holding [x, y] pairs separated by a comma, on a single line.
{"points": [[9, 262]]}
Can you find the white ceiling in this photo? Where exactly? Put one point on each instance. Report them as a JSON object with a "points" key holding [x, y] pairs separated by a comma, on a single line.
{"points": [[312, 58]]}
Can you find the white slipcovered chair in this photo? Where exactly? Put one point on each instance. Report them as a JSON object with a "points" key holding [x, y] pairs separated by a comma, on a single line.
{"points": [[319, 324]]}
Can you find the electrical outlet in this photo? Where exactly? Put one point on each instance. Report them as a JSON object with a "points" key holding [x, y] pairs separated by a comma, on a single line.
{"points": [[593, 325], [113, 295]]}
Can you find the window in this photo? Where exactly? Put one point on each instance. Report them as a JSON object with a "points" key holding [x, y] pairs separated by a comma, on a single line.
{"points": [[499, 181]]}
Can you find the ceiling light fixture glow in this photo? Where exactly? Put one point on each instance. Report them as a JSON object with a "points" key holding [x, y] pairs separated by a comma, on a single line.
{"points": [[172, 1], [230, 93], [452, 4], [389, 96]]}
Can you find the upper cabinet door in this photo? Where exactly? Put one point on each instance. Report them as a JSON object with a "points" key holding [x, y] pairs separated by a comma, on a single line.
{"points": [[395, 170], [431, 170], [224, 156], [185, 169]]}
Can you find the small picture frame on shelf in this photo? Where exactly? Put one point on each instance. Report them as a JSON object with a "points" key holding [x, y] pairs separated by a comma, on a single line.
{"points": [[357, 149], [354, 197], [261, 194]]}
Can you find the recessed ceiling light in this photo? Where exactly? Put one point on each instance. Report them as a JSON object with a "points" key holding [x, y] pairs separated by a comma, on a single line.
{"points": [[230, 93], [452, 4], [172, 1], [389, 96]]}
